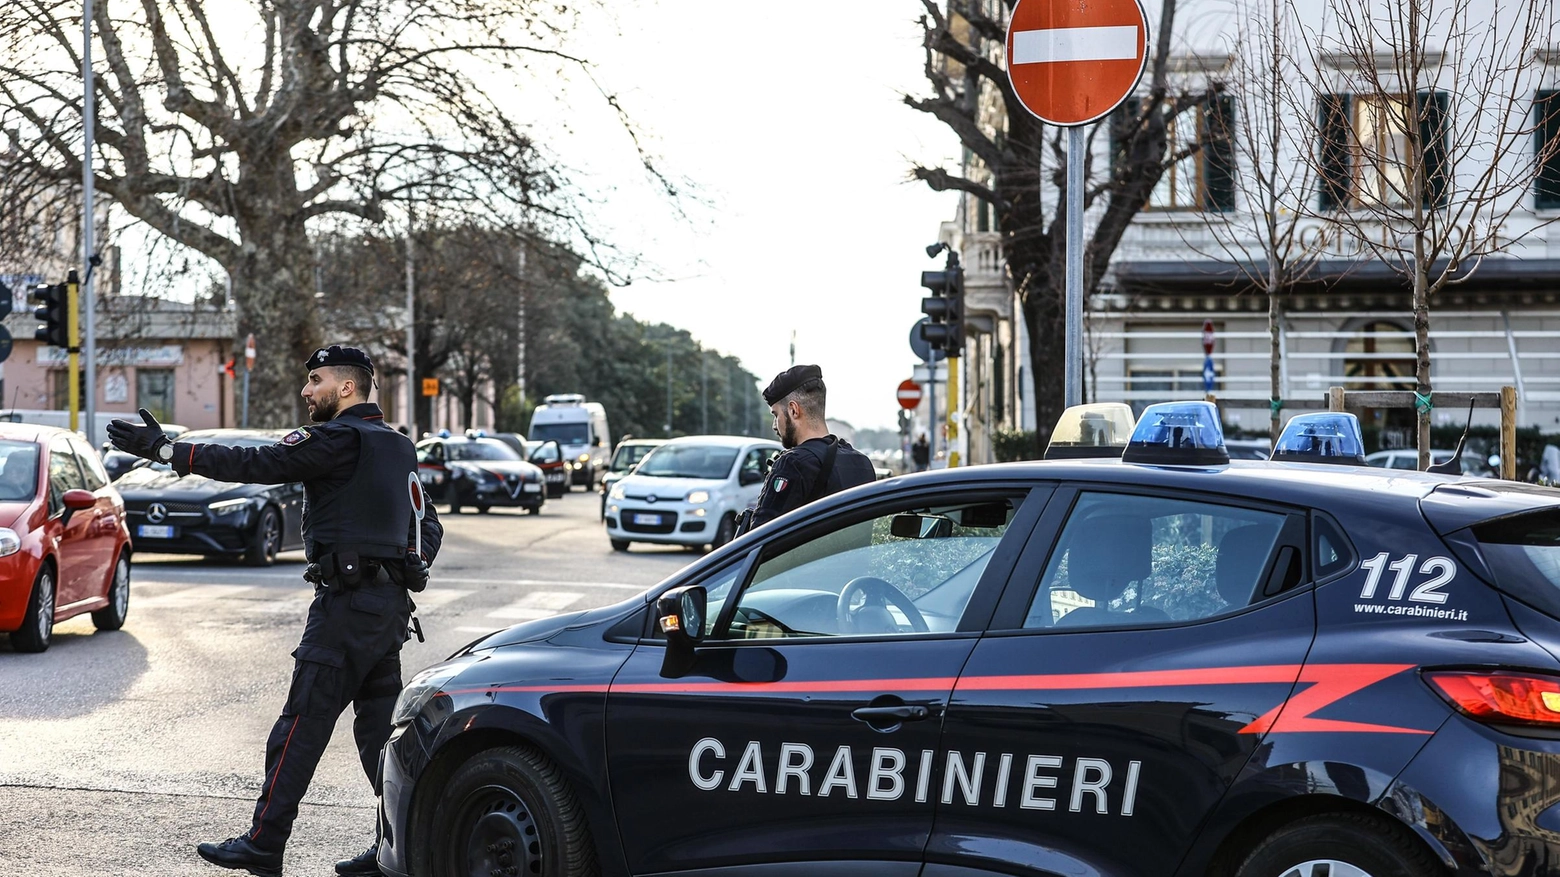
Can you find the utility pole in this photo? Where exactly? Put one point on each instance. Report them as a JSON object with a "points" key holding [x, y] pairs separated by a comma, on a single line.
{"points": [[88, 192], [412, 387], [793, 347], [704, 390], [520, 346], [668, 390]]}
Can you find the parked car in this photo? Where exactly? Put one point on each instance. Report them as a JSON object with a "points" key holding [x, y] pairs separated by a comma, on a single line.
{"points": [[193, 514], [1408, 458], [117, 462], [64, 545], [515, 440], [689, 491], [474, 470], [548, 456], [625, 457]]}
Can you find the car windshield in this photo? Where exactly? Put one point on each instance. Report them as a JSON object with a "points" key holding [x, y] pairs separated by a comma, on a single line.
{"points": [[562, 433], [480, 449], [688, 461], [629, 455], [18, 470]]}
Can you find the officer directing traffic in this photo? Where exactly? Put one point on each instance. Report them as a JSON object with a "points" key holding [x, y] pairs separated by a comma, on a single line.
{"points": [[358, 528], [816, 463]]}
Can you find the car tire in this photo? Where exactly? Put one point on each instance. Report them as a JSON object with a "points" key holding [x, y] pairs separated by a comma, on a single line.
{"points": [[619, 544], [1341, 845], [484, 509], [112, 616], [725, 531], [510, 811], [267, 539], [37, 629], [533, 510], [454, 506]]}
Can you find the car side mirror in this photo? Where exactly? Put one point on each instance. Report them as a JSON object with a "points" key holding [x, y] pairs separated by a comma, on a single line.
{"points": [[76, 500], [749, 476], [680, 616]]}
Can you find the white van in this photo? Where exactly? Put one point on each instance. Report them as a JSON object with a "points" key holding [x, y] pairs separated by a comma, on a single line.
{"points": [[61, 418], [579, 428]]}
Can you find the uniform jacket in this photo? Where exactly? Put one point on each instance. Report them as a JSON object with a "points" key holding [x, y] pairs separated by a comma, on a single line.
{"points": [[794, 476]]}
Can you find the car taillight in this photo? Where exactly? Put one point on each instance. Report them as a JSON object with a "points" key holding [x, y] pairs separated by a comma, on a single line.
{"points": [[1500, 698]]}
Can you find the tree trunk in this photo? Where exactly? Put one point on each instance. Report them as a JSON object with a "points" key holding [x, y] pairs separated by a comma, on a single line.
{"points": [[1275, 359], [273, 288], [1045, 322], [1422, 359]]}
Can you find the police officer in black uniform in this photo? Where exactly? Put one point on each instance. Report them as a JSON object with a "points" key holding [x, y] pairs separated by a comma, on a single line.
{"points": [[816, 463], [359, 527]]}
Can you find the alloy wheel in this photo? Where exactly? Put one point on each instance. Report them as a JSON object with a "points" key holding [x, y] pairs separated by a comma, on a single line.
{"points": [[45, 618], [1325, 868]]}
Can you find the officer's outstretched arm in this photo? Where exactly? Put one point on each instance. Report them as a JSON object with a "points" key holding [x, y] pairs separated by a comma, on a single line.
{"points": [[304, 454]]}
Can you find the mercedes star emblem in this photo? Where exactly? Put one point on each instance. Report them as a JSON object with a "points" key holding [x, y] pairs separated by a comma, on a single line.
{"points": [[156, 512]]}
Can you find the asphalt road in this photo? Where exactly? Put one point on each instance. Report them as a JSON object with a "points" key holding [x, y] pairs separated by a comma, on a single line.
{"points": [[120, 751]]}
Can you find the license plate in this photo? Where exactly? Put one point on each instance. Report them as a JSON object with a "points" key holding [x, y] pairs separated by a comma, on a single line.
{"points": [[532, 488], [155, 531], [647, 520], [557, 477]]}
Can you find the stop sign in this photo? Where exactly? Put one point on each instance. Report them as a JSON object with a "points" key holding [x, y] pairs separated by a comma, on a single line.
{"points": [[909, 394], [1072, 63]]}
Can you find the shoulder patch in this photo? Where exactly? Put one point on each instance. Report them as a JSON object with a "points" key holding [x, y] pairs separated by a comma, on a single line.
{"points": [[296, 437], [780, 484]]}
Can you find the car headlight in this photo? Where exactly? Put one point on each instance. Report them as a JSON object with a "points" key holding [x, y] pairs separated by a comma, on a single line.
{"points": [[584, 458], [424, 687], [229, 506], [617, 491], [10, 543], [696, 497]]}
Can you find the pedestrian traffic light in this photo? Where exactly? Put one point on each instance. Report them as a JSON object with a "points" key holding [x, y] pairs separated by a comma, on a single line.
{"points": [[944, 308], [53, 308]]}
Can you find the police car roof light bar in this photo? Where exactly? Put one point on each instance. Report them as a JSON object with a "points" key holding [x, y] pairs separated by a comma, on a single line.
{"points": [[1321, 437], [1100, 429], [1178, 434]]}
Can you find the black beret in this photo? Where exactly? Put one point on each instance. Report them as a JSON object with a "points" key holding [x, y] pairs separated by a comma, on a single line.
{"points": [[338, 355], [790, 380]]}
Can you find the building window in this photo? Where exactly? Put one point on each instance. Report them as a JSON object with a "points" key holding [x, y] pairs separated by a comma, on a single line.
{"points": [[1380, 357], [1202, 180], [1365, 153], [154, 392], [1546, 147]]}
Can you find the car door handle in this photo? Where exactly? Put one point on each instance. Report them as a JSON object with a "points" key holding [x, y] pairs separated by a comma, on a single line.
{"points": [[903, 712]]}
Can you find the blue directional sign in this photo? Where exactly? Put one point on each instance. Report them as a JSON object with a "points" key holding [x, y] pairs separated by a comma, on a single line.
{"points": [[1208, 374]]}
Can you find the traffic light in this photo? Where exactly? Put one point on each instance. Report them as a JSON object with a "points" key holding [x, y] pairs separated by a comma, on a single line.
{"points": [[54, 310], [944, 308]]}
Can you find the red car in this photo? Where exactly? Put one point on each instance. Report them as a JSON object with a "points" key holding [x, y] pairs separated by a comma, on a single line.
{"points": [[64, 545]]}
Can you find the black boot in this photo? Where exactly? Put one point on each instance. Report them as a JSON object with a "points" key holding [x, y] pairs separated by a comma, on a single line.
{"points": [[240, 854], [364, 864]]}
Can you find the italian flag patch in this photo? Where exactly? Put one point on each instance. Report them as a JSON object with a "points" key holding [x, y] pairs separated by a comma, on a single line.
{"points": [[780, 484]]}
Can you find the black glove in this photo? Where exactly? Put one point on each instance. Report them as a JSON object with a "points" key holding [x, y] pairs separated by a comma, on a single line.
{"points": [[141, 439]]}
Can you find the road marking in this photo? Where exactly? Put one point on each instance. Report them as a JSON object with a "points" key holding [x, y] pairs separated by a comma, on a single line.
{"points": [[193, 596], [478, 629], [1057, 44], [435, 598], [539, 604]]}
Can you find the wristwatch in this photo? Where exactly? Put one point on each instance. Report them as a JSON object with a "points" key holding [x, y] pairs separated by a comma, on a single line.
{"points": [[164, 452]]}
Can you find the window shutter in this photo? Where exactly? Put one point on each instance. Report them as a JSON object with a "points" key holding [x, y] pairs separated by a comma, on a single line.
{"points": [[1546, 135], [1332, 118], [1120, 122], [1219, 154], [1431, 110]]}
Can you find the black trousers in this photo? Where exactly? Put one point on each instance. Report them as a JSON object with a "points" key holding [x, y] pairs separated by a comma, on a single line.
{"points": [[350, 654]]}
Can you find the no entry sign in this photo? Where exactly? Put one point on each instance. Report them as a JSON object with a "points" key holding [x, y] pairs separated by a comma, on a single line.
{"points": [[1073, 62], [909, 394]]}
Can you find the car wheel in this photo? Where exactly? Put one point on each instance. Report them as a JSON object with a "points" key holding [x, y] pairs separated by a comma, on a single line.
{"points": [[510, 811], [1341, 845], [267, 539], [112, 616], [619, 544], [726, 531], [484, 509], [533, 510], [38, 621]]}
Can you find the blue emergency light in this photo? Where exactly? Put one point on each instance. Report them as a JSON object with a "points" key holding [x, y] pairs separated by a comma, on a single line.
{"points": [[444, 433], [1321, 437], [1097, 430], [1178, 434]]}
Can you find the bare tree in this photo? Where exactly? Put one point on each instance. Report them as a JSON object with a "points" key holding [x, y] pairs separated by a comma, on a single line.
{"points": [[1265, 231], [1424, 138], [234, 128], [1015, 156]]}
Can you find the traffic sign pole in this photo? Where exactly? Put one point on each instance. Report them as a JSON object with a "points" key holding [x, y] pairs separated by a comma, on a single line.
{"points": [[1074, 349]]}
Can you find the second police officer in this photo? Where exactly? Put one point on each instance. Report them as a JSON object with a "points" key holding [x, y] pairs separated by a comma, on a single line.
{"points": [[359, 527], [816, 463]]}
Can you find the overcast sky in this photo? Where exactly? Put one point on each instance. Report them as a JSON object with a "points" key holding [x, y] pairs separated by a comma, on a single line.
{"points": [[790, 122]]}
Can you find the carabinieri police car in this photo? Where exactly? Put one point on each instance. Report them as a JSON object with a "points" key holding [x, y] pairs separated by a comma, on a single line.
{"points": [[1164, 664]]}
